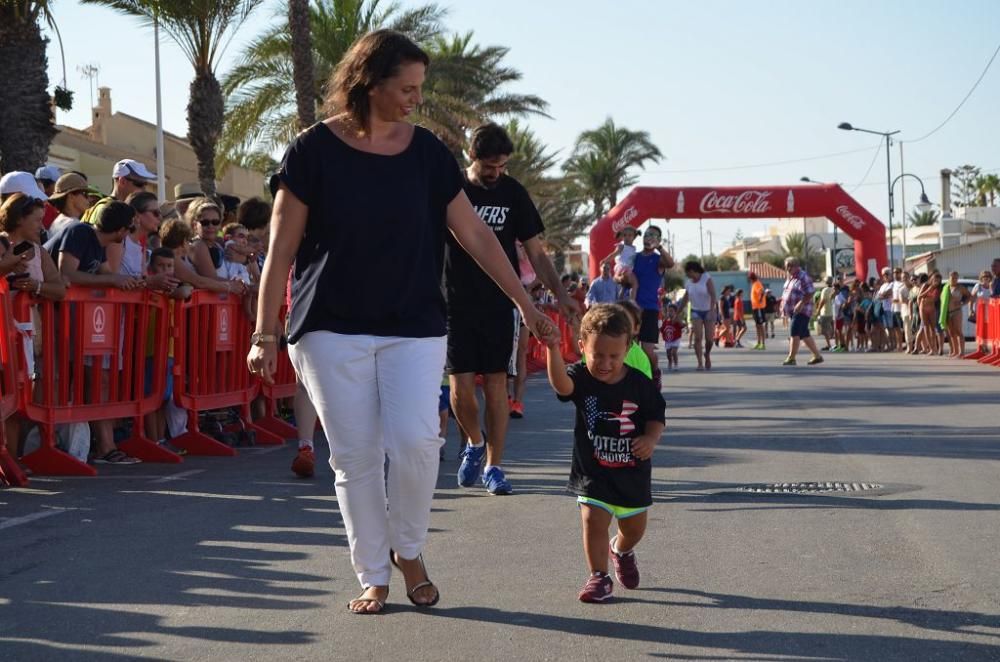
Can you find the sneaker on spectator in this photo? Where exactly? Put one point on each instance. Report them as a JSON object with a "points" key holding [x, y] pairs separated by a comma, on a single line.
{"points": [[516, 409], [626, 567], [597, 589], [472, 459], [304, 464], [496, 482], [166, 445]]}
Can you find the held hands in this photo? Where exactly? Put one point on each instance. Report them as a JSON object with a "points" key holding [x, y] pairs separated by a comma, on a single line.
{"points": [[541, 326], [643, 446], [263, 360], [127, 282]]}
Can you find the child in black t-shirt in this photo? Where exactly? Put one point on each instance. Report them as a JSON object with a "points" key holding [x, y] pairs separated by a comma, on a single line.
{"points": [[619, 420]]}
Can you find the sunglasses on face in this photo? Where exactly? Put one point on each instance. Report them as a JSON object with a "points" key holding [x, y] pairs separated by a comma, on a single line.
{"points": [[209, 221], [154, 212]]}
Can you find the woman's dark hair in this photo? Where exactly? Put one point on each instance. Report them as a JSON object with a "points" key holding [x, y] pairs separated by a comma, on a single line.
{"points": [[924, 278], [489, 141], [372, 59], [139, 200], [15, 208], [694, 266], [253, 214], [115, 216]]}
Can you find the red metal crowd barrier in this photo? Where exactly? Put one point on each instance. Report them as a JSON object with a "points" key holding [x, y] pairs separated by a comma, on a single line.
{"points": [[567, 343], [211, 334], [993, 333], [982, 332], [283, 386], [92, 367], [11, 381]]}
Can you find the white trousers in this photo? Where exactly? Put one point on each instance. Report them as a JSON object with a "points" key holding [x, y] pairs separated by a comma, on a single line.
{"points": [[377, 396]]}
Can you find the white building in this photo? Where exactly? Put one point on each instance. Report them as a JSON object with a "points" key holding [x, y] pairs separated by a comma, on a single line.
{"points": [[968, 259]]}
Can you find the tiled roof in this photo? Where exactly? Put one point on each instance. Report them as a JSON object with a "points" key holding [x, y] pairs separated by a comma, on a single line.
{"points": [[768, 271]]}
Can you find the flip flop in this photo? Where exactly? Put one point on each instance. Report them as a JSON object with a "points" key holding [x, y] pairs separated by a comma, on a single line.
{"points": [[381, 605], [424, 584]]}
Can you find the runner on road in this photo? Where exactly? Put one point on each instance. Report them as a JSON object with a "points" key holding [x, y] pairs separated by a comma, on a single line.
{"points": [[483, 325], [649, 266]]}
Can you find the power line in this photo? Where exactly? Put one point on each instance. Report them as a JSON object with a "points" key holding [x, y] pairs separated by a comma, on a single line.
{"points": [[750, 166], [962, 103], [871, 165]]}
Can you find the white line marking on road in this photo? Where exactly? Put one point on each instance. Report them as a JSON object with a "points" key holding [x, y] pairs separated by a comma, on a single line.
{"points": [[258, 450], [179, 476], [25, 519], [203, 495]]}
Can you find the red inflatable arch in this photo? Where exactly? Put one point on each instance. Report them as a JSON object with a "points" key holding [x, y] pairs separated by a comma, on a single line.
{"points": [[645, 202]]}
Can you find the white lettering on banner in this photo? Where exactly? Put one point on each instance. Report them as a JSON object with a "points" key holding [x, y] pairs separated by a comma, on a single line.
{"points": [[630, 214], [748, 202], [852, 219]]}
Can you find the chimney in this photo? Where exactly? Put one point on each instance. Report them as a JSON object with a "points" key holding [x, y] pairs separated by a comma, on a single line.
{"points": [[946, 192], [100, 116]]}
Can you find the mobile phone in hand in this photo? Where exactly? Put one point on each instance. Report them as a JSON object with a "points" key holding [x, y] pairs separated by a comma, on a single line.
{"points": [[23, 247]]}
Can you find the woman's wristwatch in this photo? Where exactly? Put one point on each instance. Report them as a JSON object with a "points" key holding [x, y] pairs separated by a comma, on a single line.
{"points": [[257, 339]]}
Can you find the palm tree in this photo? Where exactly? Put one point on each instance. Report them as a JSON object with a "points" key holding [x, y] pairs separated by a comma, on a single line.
{"points": [[987, 189], [260, 116], [202, 29], [922, 218], [28, 124], [466, 86], [602, 160], [303, 71], [796, 245]]}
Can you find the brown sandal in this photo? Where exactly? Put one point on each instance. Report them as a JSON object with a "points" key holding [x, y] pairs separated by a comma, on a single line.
{"points": [[419, 585], [381, 604]]}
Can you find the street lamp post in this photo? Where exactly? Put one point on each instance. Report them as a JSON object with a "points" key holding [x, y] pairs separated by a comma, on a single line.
{"points": [[846, 126], [922, 206]]}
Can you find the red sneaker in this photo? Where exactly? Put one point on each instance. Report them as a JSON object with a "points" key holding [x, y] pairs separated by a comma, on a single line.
{"points": [[597, 589], [304, 464], [516, 409], [626, 568]]}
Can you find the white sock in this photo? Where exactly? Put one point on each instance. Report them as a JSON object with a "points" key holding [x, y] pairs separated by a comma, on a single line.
{"points": [[474, 445], [614, 547], [305, 443]]}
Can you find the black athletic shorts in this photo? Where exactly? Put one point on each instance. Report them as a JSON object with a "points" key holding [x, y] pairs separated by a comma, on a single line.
{"points": [[649, 329], [483, 342], [759, 316]]}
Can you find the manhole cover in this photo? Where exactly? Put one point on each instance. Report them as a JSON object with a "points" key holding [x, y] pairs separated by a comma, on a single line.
{"points": [[809, 488]]}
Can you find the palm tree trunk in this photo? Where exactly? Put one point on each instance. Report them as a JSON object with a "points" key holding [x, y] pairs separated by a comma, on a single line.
{"points": [[302, 62], [28, 124], [205, 114]]}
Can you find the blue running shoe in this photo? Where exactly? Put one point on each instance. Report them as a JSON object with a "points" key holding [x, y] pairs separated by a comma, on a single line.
{"points": [[496, 483], [472, 459]]}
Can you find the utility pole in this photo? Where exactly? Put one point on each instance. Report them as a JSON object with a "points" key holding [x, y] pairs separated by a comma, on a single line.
{"points": [[902, 199], [701, 234], [711, 251]]}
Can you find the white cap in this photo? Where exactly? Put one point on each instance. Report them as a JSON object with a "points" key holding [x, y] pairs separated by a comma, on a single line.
{"points": [[50, 173], [21, 182], [130, 168]]}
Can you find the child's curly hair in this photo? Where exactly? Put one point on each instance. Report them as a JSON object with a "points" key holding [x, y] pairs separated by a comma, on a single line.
{"points": [[607, 319]]}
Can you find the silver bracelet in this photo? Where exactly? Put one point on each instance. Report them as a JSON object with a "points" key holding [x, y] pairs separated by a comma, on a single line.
{"points": [[38, 288]]}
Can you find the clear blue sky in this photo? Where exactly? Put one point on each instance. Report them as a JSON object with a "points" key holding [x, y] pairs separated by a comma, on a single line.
{"points": [[716, 84]]}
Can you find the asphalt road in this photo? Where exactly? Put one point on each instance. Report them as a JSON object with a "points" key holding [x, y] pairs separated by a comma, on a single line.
{"points": [[236, 559]]}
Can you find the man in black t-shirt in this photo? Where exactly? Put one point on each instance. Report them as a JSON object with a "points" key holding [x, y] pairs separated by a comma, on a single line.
{"points": [[483, 324]]}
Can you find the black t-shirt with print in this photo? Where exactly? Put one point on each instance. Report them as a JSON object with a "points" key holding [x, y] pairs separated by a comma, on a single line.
{"points": [[508, 210], [80, 241], [608, 417], [372, 255]]}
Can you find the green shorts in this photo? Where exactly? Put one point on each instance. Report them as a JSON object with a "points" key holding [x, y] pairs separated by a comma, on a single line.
{"points": [[618, 512]]}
